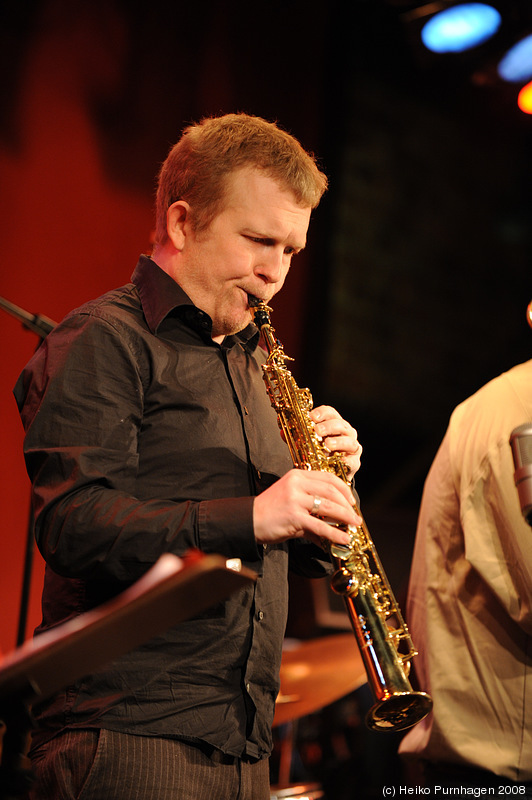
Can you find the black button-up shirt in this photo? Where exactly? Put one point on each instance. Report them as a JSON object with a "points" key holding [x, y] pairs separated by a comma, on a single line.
{"points": [[144, 436]]}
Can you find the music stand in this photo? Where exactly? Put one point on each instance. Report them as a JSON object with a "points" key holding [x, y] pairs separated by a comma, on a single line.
{"points": [[172, 591]]}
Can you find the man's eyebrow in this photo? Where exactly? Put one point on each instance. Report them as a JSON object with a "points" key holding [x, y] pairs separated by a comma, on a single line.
{"points": [[272, 240]]}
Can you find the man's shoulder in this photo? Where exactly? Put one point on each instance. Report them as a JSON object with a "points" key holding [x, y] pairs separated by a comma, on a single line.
{"points": [[119, 308], [484, 421], [502, 393]]}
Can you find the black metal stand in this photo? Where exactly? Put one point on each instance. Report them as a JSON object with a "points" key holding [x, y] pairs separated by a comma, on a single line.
{"points": [[37, 323], [26, 581], [41, 325], [16, 776]]}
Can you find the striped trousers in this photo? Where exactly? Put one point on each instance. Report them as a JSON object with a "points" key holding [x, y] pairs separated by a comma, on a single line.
{"points": [[106, 765]]}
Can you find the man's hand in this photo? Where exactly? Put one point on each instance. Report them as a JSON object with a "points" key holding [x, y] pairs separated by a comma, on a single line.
{"points": [[289, 508], [338, 436]]}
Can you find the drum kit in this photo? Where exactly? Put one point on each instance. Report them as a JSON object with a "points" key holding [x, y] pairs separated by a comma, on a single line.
{"points": [[314, 674]]}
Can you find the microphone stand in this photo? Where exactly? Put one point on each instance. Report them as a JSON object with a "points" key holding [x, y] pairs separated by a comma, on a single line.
{"points": [[34, 322], [41, 325]]}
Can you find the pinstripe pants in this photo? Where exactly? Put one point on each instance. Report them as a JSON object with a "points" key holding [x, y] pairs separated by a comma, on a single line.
{"points": [[106, 765]]}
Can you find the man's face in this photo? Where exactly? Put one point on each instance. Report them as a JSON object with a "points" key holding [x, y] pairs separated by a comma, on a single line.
{"points": [[246, 249]]}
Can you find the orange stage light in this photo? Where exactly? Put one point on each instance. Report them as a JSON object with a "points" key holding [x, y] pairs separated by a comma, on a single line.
{"points": [[524, 98]]}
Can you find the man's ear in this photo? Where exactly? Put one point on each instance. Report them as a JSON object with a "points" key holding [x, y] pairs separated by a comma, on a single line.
{"points": [[178, 223]]}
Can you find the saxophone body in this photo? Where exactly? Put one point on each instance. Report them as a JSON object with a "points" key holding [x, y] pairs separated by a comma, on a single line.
{"points": [[382, 636]]}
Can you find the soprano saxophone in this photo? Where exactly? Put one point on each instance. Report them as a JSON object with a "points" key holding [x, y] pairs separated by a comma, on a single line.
{"points": [[383, 638]]}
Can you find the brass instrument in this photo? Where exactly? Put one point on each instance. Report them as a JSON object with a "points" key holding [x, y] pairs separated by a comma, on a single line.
{"points": [[381, 633]]}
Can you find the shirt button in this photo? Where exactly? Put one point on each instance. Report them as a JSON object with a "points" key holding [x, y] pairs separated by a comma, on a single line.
{"points": [[247, 687], [260, 615], [264, 547]]}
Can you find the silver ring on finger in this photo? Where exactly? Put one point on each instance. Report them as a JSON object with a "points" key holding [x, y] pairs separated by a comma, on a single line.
{"points": [[315, 506]]}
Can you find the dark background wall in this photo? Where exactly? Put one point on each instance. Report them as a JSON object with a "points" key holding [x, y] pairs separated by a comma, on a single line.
{"points": [[414, 286]]}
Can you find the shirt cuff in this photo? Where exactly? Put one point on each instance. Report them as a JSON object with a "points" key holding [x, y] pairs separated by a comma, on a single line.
{"points": [[226, 527]]}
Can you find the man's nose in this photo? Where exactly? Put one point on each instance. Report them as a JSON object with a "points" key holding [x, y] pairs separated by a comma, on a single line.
{"points": [[272, 267]]}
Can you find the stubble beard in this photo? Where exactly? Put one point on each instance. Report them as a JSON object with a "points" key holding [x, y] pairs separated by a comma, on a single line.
{"points": [[229, 325]]}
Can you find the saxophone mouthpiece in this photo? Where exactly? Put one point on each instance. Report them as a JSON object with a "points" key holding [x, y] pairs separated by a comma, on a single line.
{"points": [[260, 311]]}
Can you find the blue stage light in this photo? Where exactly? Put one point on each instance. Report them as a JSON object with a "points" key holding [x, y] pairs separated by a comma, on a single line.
{"points": [[460, 27], [516, 65]]}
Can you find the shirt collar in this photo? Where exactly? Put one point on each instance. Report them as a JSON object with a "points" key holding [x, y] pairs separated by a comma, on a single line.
{"points": [[160, 295]]}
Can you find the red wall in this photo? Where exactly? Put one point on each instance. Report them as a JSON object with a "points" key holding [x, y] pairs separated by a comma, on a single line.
{"points": [[67, 234]]}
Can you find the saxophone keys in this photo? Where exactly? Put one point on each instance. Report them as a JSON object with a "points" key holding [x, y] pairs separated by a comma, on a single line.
{"points": [[345, 582]]}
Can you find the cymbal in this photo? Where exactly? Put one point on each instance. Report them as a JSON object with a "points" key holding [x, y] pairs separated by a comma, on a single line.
{"points": [[316, 673]]}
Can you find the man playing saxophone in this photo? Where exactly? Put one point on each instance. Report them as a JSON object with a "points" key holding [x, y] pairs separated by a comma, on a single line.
{"points": [[148, 430]]}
